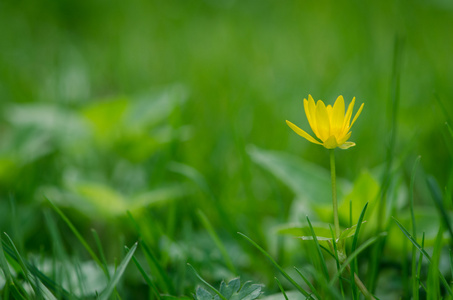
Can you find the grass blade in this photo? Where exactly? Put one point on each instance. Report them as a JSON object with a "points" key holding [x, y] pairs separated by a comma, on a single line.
{"points": [[4, 264], [433, 286], [414, 242], [118, 274], [353, 255], [6, 271], [78, 235], [354, 265], [321, 257], [451, 262], [312, 288], [146, 277], [101, 252], [337, 260], [39, 288], [449, 129], [436, 193], [217, 241], [411, 196], [420, 260], [207, 284], [415, 284], [281, 288], [152, 260], [24, 268], [57, 289], [442, 107], [297, 286], [359, 224]]}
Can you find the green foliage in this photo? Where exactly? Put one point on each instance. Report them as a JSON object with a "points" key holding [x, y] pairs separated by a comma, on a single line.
{"points": [[231, 291], [163, 122]]}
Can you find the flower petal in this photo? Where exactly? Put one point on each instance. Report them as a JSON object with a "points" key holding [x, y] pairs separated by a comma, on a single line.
{"points": [[344, 138], [329, 112], [347, 145], [322, 121], [331, 142], [357, 114], [347, 117], [310, 111], [302, 133], [337, 121]]}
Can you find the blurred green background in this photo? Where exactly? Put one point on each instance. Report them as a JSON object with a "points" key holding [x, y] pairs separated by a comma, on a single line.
{"points": [[162, 108]]}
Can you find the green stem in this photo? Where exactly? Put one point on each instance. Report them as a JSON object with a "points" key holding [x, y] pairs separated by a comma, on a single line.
{"points": [[334, 193]]}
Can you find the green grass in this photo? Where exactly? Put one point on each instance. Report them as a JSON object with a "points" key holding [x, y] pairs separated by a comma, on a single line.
{"points": [[163, 124]]}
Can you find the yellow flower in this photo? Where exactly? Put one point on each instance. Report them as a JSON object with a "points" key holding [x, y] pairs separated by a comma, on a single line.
{"points": [[330, 124]]}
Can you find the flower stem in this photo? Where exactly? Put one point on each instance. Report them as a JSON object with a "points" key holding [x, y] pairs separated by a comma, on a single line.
{"points": [[334, 193]]}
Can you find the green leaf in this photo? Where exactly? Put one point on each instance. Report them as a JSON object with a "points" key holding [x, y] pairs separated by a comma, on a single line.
{"points": [[348, 232], [311, 238], [106, 117], [321, 229], [308, 181], [248, 291], [353, 255], [422, 250], [365, 189], [102, 200], [118, 274], [294, 283], [229, 289], [147, 278], [152, 107], [202, 294], [207, 284]]}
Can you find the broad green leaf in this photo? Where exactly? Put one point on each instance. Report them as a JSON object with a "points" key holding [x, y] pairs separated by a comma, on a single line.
{"points": [[162, 195], [307, 180], [102, 200], [152, 107], [106, 117], [202, 294], [229, 289], [65, 127], [292, 295], [348, 232], [248, 291], [135, 127], [365, 189], [311, 238], [297, 230]]}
